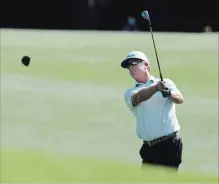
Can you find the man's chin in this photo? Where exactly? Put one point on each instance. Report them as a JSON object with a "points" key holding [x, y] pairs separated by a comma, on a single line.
{"points": [[136, 78]]}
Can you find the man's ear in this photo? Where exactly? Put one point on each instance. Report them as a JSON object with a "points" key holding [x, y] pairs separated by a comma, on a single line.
{"points": [[149, 67]]}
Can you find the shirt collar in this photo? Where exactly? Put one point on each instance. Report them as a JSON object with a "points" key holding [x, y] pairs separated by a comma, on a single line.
{"points": [[152, 78]]}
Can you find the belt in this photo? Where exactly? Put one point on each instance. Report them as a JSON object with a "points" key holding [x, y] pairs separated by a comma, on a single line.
{"points": [[160, 139]]}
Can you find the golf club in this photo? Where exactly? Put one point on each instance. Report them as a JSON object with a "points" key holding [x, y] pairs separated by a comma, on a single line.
{"points": [[146, 16]]}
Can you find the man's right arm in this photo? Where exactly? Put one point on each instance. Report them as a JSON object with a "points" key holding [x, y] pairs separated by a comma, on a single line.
{"points": [[143, 94]]}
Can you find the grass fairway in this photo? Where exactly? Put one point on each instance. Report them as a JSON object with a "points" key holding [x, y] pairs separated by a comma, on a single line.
{"points": [[63, 118], [46, 167]]}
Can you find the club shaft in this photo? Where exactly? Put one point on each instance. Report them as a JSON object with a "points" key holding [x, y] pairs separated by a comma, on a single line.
{"points": [[161, 77]]}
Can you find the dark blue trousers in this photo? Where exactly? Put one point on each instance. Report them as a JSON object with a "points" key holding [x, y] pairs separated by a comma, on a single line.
{"points": [[166, 153]]}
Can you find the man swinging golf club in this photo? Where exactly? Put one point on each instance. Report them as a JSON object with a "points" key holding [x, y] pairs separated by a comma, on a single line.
{"points": [[152, 101]]}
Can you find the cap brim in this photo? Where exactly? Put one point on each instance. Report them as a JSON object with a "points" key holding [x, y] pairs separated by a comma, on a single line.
{"points": [[125, 62]]}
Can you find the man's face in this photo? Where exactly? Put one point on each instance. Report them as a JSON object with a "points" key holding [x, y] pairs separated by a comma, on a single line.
{"points": [[138, 69]]}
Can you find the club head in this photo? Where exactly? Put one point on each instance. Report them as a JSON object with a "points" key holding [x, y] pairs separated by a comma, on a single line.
{"points": [[145, 15]]}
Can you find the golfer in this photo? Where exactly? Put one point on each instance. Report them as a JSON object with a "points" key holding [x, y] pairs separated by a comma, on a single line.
{"points": [[152, 102]]}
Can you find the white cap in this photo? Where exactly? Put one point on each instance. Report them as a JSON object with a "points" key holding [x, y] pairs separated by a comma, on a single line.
{"points": [[133, 55]]}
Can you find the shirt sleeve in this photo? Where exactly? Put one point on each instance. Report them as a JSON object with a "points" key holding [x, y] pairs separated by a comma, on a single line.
{"points": [[129, 93], [171, 85]]}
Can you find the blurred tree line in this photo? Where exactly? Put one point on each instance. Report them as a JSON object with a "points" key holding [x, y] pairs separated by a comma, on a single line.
{"points": [[166, 15]]}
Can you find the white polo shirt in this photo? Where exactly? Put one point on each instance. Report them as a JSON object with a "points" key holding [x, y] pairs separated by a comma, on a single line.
{"points": [[156, 116]]}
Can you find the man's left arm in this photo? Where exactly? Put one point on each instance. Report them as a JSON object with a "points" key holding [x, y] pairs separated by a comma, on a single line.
{"points": [[176, 97], [175, 94]]}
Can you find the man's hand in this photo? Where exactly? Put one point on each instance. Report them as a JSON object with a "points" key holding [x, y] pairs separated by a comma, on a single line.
{"points": [[162, 87], [166, 92], [174, 95]]}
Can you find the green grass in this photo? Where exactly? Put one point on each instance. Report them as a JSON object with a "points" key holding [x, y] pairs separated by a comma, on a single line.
{"points": [[63, 118], [47, 167]]}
